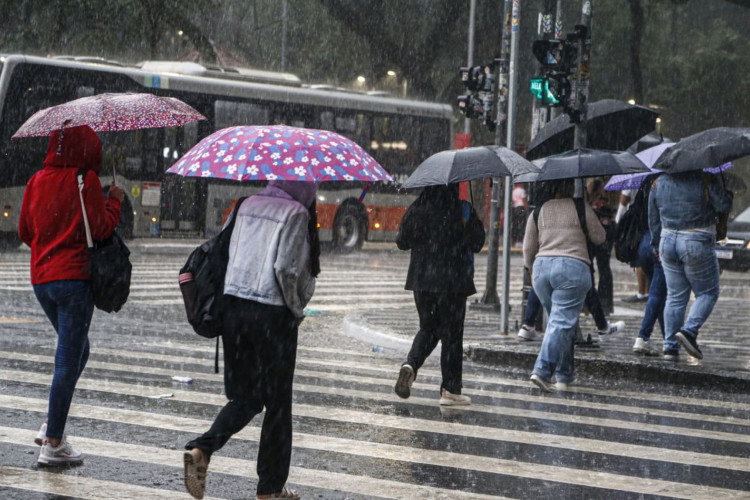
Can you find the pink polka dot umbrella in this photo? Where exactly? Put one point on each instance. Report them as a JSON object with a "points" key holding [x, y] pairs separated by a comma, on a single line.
{"points": [[269, 152], [110, 112]]}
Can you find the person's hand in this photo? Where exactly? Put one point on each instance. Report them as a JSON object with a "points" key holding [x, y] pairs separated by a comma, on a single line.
{"points": [[117, 193]]}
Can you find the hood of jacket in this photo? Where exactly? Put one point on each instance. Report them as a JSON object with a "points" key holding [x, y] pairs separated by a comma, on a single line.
{"points": [[77, 147], [303, 192]]}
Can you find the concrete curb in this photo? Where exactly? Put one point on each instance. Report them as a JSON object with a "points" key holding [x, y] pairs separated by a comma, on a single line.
{"points": [[616, 368]]}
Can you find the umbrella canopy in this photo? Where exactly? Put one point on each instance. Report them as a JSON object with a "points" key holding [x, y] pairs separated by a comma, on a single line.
{"points": [[583, 162], [610, 125], [646, 142], [710, 148], [649, 157], [110, 112], [467, 164], [269, 152]]}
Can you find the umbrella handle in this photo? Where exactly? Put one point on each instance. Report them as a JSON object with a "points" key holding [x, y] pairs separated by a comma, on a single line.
{"points": [[364, 192]]}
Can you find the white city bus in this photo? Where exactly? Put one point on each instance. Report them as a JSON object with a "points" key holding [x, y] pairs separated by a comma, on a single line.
{"points": [[399, 133]]}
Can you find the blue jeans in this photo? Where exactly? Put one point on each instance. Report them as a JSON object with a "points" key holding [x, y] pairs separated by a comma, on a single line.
{"points": [[69, 306], [561, 283], [689, 264], [657, 290], [534, 305]]}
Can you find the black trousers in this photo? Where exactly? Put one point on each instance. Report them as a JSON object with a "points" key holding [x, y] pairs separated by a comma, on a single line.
{"points": [[260, 350], [441, 318], [602, 254]]}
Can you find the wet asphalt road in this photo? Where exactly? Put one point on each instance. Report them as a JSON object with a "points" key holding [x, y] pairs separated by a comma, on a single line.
{"points": [[353, 437]]}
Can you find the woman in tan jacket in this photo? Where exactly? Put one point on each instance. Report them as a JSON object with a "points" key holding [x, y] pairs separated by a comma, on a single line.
{"points": [[555, 250]]}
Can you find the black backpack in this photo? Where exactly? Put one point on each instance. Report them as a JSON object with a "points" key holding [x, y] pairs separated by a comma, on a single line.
{"points": [[632, 225], [202, 283]]}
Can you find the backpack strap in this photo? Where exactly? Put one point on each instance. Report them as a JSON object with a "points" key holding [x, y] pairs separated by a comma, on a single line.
{"points": [[229, 229]]}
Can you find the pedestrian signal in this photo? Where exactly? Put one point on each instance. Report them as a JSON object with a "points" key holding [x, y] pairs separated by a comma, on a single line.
{"points": [[552, 90], [556, 55]]}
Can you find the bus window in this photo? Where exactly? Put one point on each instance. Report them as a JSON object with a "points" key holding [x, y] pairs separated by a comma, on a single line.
{"points": [[395, 145], [326, 120], [231, 113]]}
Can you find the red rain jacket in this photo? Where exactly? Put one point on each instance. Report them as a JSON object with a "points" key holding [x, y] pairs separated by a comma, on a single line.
{"points": [[51, 218]]}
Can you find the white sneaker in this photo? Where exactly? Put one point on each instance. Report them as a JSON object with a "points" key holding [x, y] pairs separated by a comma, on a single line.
{"points": [[613, 328], [449, 399], [561, 386], [527, 332], [62, 455], [42, 434], [642, 346]]}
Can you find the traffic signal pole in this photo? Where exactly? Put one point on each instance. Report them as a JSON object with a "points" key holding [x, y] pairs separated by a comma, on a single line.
{"points": [[581, 86], [510, 144], [490, 298], [470, 54]]}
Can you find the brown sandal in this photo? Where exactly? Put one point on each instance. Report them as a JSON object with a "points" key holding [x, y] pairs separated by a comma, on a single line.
{"points": [[284, 493], [195, 473]]}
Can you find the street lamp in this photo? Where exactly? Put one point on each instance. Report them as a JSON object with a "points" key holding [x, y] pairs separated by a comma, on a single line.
{"points": [[361, 80], [391, 72]]}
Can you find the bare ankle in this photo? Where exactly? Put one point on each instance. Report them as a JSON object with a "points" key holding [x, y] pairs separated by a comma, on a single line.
{"points": [[54, 442]]}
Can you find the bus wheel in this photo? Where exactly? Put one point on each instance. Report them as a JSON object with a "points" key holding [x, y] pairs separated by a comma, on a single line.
{"points": [[349, 228], [9, 240]]}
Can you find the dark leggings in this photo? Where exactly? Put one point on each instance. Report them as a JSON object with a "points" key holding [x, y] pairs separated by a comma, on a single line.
{"points": [[260, 349], [441, 318]]}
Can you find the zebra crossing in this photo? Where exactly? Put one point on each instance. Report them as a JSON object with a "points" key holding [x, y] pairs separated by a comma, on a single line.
{"points": [[350, 282], [353, 438]]}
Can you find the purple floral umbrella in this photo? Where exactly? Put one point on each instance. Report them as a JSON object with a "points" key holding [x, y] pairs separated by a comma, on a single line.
{"points": [[649, 157], [270, 152], [110, 112]]}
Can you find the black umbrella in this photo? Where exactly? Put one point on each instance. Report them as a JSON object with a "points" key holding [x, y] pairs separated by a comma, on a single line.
{"points": [[457, 165], [710, 148], [584, 162], [648, 141], [611, 125]]}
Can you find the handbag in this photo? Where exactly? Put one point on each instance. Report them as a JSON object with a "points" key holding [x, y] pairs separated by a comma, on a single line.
{"points": [[109, 264]]}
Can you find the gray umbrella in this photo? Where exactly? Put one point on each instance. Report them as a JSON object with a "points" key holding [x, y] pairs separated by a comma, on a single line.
{"points": [[582, 162], [710, 148], [457, 165]]}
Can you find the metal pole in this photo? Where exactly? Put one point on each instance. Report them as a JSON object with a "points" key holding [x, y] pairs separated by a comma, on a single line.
{"points": [[581, 93], [490, 297], [581, 96], [283, 33], [510, 143], [555, 112], [470, 54]]}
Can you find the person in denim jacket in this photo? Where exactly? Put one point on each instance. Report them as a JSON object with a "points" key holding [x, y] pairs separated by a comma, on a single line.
{"points": [[682, 218]]}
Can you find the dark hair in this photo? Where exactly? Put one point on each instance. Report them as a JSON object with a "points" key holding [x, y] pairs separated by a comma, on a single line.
{"points": [[312, 230], [563, 188]]}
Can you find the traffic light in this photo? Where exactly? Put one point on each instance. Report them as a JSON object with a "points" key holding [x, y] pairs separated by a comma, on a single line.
{"points": [[555, 55], [478, 102], [553, 89]]}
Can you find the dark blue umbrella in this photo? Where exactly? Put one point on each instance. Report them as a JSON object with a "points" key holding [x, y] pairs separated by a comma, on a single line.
{"points": [[582, 162], [707, 149], [458, 165]]}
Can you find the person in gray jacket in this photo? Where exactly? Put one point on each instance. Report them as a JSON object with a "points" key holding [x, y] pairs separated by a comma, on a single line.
{"points": [[273, 261]]}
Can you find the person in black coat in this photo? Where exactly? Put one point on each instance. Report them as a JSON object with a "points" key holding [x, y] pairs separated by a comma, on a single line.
{"points": [[443, 234]]}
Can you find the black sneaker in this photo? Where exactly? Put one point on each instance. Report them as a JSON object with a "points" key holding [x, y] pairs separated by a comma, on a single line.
{"points": [[689, 343], [671, 355]]}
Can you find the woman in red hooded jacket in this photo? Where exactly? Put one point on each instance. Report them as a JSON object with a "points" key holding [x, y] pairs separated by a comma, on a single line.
{"points": [[52, 225]]}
